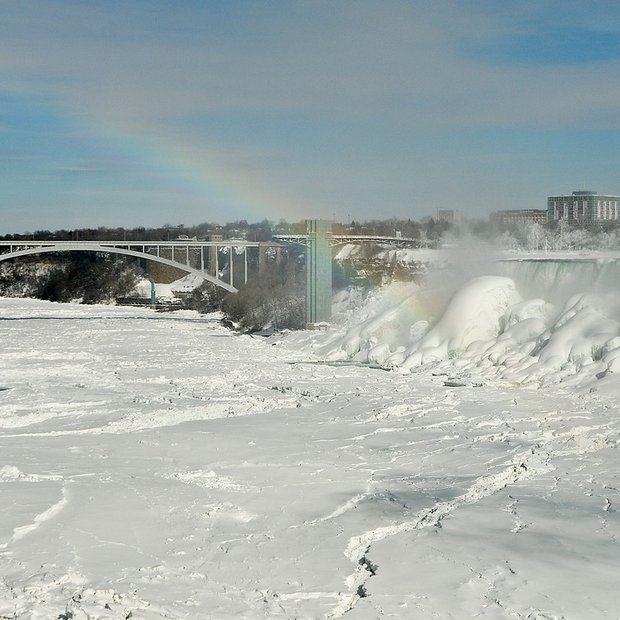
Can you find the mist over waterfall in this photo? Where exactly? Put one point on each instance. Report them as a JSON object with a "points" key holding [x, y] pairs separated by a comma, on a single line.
{"points": [[556, 279]]}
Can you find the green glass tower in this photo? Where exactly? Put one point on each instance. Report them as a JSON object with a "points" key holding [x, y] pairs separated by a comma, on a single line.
{"points": [[318, 271]]}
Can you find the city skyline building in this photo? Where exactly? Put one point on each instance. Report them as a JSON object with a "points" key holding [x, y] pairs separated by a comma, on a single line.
{"points": [[583, 207], [510, 217]]}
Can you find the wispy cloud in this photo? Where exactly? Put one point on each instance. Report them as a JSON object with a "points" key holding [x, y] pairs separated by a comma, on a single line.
{"points": [[360, 86], [370, 60]]}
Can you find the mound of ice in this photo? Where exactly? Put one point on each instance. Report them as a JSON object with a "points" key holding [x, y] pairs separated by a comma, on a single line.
{"points": [[486, 330], [385, 323], [581, 343], [475, 314]]}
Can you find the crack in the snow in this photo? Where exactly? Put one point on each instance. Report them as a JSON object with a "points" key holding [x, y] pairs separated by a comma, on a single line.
{"points": [[512, 509], [534, 462]]}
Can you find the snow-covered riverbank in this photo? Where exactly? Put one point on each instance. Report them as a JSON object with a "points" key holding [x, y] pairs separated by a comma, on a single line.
{"points": [[162, 466]]}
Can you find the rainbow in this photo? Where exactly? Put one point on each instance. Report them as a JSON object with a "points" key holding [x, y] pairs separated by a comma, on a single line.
{"points": [[215, 177]]}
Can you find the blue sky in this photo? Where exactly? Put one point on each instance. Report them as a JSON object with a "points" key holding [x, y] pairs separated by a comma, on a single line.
{"points": [[147, 112]]}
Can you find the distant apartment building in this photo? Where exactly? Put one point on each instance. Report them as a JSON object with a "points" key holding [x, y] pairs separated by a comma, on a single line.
{"points": [[583, 207], [510, 217], [448, 215]]}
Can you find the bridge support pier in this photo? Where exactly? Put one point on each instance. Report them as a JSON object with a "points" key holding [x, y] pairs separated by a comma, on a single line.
{"points": [[213, 257], [318, 272]]}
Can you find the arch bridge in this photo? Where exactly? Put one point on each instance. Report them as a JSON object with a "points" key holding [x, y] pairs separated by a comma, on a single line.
{"points": [[205, 258]]}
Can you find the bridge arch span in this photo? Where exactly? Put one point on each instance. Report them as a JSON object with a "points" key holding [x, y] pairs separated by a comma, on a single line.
{"points": [[114, 250]]}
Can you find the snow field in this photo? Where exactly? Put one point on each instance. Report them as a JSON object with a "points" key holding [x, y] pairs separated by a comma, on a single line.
{"points": [[160, 466]]}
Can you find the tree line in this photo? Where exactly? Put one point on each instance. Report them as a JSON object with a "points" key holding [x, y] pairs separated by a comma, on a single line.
{"points": [[427, 230]]}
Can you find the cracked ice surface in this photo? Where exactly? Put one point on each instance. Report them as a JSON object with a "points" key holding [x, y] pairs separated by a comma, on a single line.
{"points": [[160, 466]]}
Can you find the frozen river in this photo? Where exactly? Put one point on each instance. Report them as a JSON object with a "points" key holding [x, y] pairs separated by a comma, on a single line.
{"points": [[159, 466]]}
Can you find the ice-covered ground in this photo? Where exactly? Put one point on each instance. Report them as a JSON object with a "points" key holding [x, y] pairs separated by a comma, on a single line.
{"points": [[159, 466]]}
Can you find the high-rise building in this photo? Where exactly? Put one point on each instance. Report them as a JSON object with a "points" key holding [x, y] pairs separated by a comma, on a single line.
{"points": [[511, 217], [583, 207]]}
